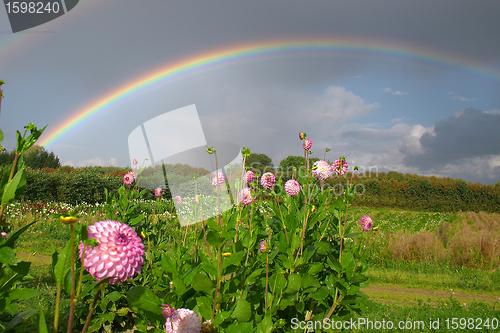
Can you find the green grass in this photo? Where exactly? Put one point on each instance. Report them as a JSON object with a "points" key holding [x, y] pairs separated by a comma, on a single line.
{"points": [[426, 311]]}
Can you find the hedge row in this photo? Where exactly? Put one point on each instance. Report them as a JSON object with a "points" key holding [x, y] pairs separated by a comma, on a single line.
{"points": [[392, 189]]}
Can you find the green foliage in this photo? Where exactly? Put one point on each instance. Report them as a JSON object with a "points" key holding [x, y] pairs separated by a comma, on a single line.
{"points": [[416, 192], [38, 158], [288, 163], [260, 163]]}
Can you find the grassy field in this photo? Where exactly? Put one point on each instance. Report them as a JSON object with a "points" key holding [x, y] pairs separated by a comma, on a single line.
{"points": [[424, 266]]}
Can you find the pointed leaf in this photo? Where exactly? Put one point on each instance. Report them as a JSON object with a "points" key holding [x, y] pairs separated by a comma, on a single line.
{"points": [[143, 298]]}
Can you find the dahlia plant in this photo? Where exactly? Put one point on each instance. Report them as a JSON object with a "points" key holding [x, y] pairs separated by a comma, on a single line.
{"points": [[279, 253]]}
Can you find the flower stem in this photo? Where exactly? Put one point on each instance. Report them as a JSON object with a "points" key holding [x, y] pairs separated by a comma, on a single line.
{"points": [[72, 297], [267, 280], [87, 322], [219, 277], [58, 305]]}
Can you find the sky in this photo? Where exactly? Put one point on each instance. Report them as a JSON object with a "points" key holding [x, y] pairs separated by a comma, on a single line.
{"points": [[406, 86]]}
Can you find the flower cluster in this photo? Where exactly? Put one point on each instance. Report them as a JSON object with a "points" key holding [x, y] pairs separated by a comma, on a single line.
{"points": [[119, 253]]}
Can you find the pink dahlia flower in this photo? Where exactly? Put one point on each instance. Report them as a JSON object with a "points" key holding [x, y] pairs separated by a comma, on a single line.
{"points": [[340, 166], [158, 192], [119, 252], [4, 234], [245, 196], [183, 321], [179, 199], [221, 179], [322, 170], [248, 177], [307, 144], [268, 180], [134, 162], [129, 178], [292, 187], [366, 223]]}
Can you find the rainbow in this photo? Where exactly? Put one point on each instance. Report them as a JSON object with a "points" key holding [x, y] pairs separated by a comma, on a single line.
{"points": [[252, 52]]}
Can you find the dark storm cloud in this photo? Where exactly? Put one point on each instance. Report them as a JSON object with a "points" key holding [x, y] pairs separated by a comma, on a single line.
{"points": [[467, 134]]}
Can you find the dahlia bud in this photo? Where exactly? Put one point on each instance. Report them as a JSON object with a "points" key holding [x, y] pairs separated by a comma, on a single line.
{"points": [[263, 246], [307, 144], [302, 136], [167, 311], [226, 254]]}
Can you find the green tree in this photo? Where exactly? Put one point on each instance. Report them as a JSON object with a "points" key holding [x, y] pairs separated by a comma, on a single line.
{"points": [[290, 162], [260, 163], [37, 158]]}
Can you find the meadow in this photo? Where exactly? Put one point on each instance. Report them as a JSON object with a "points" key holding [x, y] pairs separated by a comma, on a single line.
{"points": [[423, 266]]}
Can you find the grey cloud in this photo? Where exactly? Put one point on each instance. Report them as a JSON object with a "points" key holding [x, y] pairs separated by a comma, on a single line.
{"points": [[467, 134]]}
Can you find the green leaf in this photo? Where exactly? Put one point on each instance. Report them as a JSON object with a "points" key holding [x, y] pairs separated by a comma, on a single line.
{"points": [[15, 235], [143, 298], [42, 325], [204, 306], [11, 274], [266, 325], [19, 318], [114, 296], [240, 328], [201, 282], [63, 265], [19, 294], [294, 283], [243, 311], [9, 192], [234, 259], [7, 255]]}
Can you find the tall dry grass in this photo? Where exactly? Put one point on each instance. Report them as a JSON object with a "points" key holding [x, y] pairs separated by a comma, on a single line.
{"points": [[473, 241]]}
